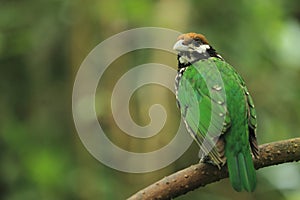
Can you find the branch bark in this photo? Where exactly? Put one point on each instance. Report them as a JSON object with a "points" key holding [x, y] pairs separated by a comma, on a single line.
{"points": [[202, 174]]}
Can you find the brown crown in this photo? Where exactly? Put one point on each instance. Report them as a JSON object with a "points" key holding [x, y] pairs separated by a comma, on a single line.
{"points": [[188, 37]]}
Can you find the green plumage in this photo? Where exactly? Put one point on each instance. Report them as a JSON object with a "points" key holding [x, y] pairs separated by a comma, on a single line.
{"points": [[218, 110]]}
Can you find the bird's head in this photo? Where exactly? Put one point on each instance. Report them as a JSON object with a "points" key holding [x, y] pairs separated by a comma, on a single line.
{"points": [[192, 47]]}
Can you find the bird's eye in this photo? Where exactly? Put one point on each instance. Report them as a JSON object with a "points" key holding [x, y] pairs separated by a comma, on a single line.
{"points": [[197, 42], [197, 39]]}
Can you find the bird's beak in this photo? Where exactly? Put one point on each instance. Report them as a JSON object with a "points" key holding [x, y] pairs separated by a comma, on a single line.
{"points": [[179, 46]]}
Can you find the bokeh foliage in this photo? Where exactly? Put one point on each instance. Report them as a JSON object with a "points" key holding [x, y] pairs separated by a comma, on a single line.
{"points": [[42, 44]]}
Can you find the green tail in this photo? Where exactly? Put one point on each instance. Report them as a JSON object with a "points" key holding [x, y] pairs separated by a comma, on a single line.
{"points": [[241, 171]]}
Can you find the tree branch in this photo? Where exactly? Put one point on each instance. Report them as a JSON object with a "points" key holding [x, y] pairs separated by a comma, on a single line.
{"points": [[202, 174]]}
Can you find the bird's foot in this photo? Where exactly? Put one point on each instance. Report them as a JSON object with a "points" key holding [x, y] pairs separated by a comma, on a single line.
{"points": [[206, 159]]}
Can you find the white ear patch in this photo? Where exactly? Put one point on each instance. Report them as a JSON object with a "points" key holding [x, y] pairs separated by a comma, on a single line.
{"points": [[202, 48]]}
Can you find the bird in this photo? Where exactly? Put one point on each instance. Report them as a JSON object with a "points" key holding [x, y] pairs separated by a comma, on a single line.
{"points": [[217, 109]]}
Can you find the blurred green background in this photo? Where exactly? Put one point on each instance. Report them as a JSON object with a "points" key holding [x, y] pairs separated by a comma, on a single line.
{"points": [[42, 44]]}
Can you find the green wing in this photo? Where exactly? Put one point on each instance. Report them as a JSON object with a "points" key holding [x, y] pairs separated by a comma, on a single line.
{"points": [[252, 124], [201, 96], [251, 115]]}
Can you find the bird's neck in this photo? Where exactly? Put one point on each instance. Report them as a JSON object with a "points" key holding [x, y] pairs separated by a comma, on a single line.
{"points": [[186, 59]]}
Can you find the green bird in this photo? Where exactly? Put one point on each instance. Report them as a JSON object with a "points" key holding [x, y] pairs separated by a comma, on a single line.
{"points": [[217, 109]]}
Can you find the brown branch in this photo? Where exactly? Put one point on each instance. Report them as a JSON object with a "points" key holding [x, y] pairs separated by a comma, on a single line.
{"points": [[202, 174]]}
